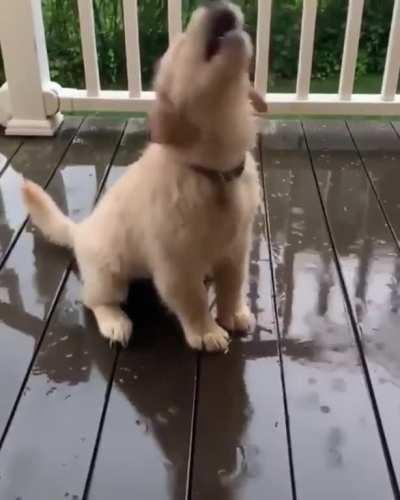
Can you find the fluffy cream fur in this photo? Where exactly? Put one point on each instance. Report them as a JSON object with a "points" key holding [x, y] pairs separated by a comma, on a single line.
{"points": [[164, 220]]}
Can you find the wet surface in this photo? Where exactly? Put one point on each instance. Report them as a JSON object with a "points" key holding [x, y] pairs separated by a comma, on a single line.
{"points": [[36, 160], [48, 449], [241, 447], [369, 256], [146, 435], [8, 147], [216, 423], [145, 440], [333, 430], [379, 146], [38, 445]]}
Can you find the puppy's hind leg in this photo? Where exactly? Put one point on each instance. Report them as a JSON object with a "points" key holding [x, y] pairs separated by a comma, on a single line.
{"points": [[103, 292]]}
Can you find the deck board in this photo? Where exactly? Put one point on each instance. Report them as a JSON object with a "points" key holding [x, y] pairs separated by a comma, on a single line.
{"points": [[37, 159], [8, 147], [369, 255], [332, 424], [145, 439], [54, 428], [158, 421], [146, 435], [379, 148], [29, 282], [241, 448]]}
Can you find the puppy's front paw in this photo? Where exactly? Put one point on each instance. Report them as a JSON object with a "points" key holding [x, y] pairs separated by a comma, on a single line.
{"points": [[242, 320], [116, 327], [194, 341], [216, 340]]}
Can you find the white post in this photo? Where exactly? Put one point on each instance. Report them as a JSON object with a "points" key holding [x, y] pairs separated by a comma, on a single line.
{"points": [[27, 69], [89, 49], [350, 50], [174, 18], [306, 48], [132, 48], [262, 45], [392, 65]]}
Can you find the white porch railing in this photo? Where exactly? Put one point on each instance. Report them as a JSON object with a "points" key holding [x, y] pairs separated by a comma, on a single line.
{"points": [[30, 104]]}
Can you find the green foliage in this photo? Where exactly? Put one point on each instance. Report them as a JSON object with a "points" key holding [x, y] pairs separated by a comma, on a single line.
{"points": [[63, 40]]}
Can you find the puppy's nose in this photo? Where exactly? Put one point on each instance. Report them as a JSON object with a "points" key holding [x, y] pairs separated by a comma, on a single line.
{"points": [[222, 18]]}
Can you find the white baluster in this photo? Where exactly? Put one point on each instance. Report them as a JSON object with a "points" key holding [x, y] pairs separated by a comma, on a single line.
{"points": [[350, 50], [132, 47], [392, 66], [174, 18], [306, 48], [262, 45], [89, 50]]}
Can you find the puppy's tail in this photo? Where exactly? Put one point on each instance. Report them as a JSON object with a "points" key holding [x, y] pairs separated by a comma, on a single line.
{"points": [[47, 216]]}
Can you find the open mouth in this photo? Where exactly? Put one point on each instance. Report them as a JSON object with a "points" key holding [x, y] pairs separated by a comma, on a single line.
{"points": [[221, 21]]}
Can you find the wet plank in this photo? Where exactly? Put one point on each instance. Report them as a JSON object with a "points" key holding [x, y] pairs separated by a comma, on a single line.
{"points": [[27, 287], [146, 435], [379, 146], [368, 254], [241, 448], [37, 159], [8, 147], [45, 449], [336, 446]]}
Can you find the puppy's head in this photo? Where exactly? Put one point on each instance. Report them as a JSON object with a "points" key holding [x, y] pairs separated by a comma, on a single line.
{"points": [[202, 81]]}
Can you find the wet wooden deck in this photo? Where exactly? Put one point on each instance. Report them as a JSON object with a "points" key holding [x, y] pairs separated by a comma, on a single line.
{"points": [[307, 407]]}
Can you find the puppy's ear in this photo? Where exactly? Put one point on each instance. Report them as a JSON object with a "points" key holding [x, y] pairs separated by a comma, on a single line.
{"points": [[257, 101], [169, 125]]}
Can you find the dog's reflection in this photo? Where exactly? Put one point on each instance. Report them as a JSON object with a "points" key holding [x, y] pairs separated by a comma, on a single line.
{"points": [[177, 381]]}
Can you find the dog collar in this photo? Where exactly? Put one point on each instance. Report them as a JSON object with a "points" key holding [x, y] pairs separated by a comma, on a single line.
{"points": [[217, 176]]}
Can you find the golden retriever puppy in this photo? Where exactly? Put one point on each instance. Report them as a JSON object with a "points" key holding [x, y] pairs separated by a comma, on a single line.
{"points": [[185, 209]]}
